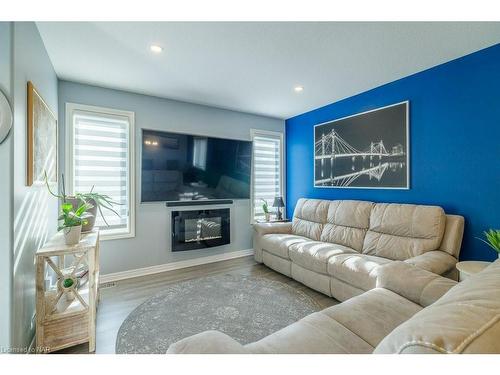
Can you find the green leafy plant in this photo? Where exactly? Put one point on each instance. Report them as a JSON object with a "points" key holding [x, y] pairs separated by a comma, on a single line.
{"points": [[101, 201], [265, 206], [70, 217], [73, 218], [492, 239], [67, 283]]}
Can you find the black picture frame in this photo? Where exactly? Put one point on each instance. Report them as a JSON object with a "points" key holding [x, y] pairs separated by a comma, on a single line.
{"points": [[368, 150]]}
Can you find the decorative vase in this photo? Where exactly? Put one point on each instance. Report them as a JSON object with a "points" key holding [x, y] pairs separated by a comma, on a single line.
{"points": [[72, 235], [75, 202], [267, 216]]}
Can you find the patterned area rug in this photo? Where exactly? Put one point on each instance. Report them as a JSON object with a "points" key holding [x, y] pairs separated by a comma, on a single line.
{"points": [[244, 307]]}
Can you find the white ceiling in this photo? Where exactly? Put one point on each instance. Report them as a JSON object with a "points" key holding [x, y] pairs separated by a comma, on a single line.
{"points": [[253, 67]]}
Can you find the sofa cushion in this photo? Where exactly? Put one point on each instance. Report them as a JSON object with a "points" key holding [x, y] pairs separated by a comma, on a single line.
{"points": [[465, 320], [374, 314], [358, 270], [403, 231], [347, 223], [208, 342], [314, 255], [437, 262], [309, 217], [278, 243], [413, 283], [315, 334]]}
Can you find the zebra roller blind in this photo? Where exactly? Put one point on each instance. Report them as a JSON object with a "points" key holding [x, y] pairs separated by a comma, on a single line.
{"points": [[267, 171], [101, 158]]}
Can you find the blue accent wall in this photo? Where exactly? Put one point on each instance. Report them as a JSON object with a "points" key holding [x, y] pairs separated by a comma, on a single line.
{"points": [[454, 144]]}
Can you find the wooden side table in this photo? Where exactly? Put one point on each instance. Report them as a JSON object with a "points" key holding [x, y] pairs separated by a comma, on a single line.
{"points": [[66, 315], [470, 267]]}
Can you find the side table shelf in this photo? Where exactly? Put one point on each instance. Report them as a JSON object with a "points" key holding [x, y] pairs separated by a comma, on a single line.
{"points": [[66, 314], [469, 268]]}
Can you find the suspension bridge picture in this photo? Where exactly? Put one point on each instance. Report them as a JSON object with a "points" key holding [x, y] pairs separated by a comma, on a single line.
{"points": [[366, 150]]}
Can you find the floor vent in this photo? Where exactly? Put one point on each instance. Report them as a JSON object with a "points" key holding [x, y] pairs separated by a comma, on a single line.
{"points": [[107, 285]]}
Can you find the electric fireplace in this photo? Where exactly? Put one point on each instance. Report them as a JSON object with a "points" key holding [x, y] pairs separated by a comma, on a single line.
{"points": [[198, 229]]}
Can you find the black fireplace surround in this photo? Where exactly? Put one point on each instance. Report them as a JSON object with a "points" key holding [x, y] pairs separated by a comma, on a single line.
{"points": [[198, 229]]}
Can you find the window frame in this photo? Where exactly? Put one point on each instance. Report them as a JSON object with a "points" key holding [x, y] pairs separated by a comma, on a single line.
{"points": [[268, 133], [69, 159]]}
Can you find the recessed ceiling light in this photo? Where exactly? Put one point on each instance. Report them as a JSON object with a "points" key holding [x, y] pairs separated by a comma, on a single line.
{"points": [[154, 48], [298, 88]]}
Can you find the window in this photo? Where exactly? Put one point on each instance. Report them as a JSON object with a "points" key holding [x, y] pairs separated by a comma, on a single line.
{"points": [[200, 153], [100, 149], [267, 179]]}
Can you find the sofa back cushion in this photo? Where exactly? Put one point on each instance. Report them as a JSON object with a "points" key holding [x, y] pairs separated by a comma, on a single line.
{"points": [[309, 217], [465, 320], [403, 231], [346, 223]]}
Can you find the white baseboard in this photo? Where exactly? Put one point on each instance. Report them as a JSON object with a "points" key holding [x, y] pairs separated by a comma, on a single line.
{"points": [[111, 277]]}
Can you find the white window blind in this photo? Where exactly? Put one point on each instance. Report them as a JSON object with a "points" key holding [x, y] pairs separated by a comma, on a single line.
{"points": [[200, 153], [101, 157], [267, 170]]}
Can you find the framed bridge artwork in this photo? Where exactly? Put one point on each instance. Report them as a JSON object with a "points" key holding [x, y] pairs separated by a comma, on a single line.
{"points": [[366, 150]]}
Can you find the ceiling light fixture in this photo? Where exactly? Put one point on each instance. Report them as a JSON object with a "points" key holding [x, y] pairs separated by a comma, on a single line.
{"points": [[298, 88], [155, 48]]}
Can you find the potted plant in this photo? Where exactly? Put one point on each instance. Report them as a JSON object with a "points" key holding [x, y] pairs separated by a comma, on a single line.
{"points": [[72, 218], [99, 202], [492, 239], [67, 287], [72, 221], [96, 201], [265, 208]]}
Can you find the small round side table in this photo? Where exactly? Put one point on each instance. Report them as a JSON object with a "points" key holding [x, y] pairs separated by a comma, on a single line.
{"points": [[469, 268]]}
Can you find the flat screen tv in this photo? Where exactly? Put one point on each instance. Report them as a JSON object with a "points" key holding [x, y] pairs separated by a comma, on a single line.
{"points": [[181, 167]]}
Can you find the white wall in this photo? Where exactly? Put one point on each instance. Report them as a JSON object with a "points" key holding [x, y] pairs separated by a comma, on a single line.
{"points": [[35, 212], [151, 246], [5, 192]]}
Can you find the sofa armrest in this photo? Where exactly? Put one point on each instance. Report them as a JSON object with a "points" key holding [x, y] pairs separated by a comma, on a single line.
{"points": [[273, 228], [418, 285], [437, 261], [208, 342]]}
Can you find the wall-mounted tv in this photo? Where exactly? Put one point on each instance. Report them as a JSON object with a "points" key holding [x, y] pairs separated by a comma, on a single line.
{"points": [[181, 167]]}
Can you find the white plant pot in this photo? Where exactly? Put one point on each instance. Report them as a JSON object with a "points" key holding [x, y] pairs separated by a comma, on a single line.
{"points": [[268, 216], [72, 235]]}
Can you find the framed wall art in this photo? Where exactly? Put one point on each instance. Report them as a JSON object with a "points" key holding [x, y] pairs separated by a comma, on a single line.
{"points": [[365, 150], [42, 139]]}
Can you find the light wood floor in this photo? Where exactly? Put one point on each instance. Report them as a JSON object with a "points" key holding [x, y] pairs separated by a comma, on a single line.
{"points": [[118, 301]]}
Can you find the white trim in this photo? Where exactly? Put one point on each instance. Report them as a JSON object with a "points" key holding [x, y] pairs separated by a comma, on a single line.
{"points": [[70, 108], [260, 132], [407, 187], [111, 277]]}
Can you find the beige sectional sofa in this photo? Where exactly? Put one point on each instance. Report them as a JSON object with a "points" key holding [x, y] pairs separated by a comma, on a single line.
{"points": [[338, 247], [410, 311]]}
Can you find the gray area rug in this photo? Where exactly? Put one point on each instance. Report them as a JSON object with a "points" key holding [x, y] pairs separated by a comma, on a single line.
{"points": [[244, 307]]}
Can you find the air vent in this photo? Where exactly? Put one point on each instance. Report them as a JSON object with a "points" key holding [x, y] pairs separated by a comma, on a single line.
{"points": [[107, 285]]}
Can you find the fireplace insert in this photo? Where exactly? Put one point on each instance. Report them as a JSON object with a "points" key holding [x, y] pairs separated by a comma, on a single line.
{"points": [[198, 229]]}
